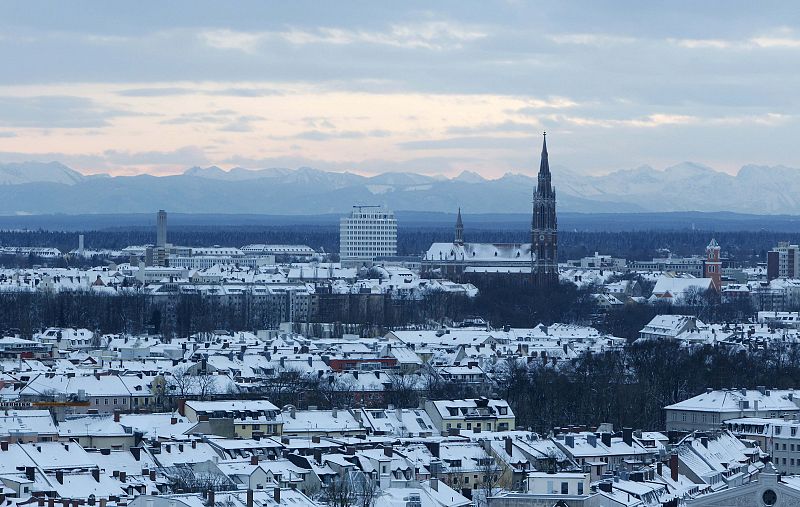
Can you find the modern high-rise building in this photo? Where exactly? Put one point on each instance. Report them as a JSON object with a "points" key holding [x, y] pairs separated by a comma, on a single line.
{"points": [[368, 232], [159, 255], [161, 228], [544, 227], [783, 261]]}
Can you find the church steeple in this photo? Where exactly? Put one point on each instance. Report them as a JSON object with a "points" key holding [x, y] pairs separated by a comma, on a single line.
{"points": [[544, 226], [544, 165], [459, 229]]}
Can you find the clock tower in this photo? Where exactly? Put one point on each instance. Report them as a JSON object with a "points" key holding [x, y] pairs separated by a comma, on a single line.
{"points": [[544, 227]]}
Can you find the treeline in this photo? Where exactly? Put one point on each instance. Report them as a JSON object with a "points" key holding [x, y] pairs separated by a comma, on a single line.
{"points": [[181, 315], [501, 301], [743, 247], [631, 387]]}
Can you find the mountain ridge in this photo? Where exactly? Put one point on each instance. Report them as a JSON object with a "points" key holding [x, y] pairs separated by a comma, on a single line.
{"points": [[52, 187]]}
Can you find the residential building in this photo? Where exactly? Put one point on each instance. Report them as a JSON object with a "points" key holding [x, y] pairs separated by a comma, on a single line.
{"points": [[783, 261], [476, 415], [707, 411]]}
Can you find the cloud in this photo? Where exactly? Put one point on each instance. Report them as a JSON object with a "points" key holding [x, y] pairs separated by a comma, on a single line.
{"points": [[213, 117], [184, 156], [591, 39], [432, 35], [318, 135], [702, 43], [470, 143], [226, 39], [8, 134], [662, 119], [56, 112], [241, 124], [507, 126], [181, 91], [429, 35], [156, 92], [776, 42]]}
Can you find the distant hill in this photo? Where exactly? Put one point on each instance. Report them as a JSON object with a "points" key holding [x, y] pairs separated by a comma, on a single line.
{"points": [[46, 188]]}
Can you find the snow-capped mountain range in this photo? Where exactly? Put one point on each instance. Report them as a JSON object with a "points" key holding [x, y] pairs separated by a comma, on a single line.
{"points": [[40, 188]]}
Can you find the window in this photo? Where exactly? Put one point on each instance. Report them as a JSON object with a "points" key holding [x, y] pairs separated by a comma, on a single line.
{"points": [[564, 488], [580, 488]]}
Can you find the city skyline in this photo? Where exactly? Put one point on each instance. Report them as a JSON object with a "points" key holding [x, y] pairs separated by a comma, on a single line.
{"points": [[380, 88]]}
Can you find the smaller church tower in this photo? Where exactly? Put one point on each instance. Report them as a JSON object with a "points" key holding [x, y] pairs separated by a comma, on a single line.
{"points": [[459, 230], [713, 266]]}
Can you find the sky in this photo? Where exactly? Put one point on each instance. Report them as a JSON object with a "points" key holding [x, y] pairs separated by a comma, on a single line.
{"points": [[371, 87]]}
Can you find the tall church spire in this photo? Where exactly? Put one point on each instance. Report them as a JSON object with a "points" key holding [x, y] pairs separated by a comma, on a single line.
{"points": [[544, 165], [544, 226], [459, 229]]}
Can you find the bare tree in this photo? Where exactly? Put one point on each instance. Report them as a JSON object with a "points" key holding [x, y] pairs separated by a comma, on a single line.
{"points": [[206, 386], [185, 479], [340, 493], [402, 389], [182, 383], [366, 489], [490, 472]]}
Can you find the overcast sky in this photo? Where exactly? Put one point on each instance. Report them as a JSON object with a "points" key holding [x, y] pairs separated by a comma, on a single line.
{"points": [[369, 87]]}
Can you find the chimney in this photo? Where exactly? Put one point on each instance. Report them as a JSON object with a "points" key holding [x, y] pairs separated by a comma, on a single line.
{"points": [[103, 502], [254, 460], [4, 445], [434, 484], [30, 473], [704, 441], [659, 468], [318, 455], [673, 466], [152, 475], [316, 439], [569, 440], [606, 438], [509, 446], [194, 444], [137, 453], [60, 476], [387, 450], [249, 498], [96, 474], [627, 436], [173, 420], [276, 495], [591, 439], [606, 485], [210, 498], [123, 476]]}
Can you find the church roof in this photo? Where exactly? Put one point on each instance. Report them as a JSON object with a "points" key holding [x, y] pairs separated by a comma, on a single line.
{"points": [[476, 252]]}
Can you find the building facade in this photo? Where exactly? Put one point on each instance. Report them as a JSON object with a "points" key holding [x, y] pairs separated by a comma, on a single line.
{"points": [[368, 232], [783, 261]]}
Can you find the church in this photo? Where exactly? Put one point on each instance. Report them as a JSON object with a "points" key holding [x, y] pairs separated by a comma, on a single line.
{"points": [[460, 260]]}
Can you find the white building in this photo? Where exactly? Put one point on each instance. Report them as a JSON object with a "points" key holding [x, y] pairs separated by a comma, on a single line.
{"points": [[369, 232]]}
